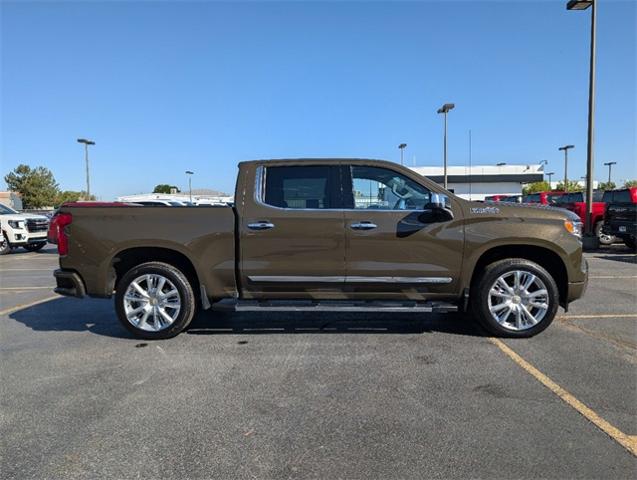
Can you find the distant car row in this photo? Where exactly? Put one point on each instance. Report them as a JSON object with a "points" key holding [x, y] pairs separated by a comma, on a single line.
{"points": [[614, 211]]}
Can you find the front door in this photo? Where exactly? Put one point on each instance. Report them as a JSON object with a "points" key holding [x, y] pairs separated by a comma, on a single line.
{"points": [[292, 233], [396, 245]]}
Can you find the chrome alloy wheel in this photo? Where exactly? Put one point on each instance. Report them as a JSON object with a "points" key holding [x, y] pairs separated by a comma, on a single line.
{"points": [[518, 300], [151, 303]]}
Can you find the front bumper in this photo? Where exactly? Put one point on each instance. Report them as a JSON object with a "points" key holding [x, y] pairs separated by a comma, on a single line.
{"points": [[69, 283], [19, 238], [578, 289]]}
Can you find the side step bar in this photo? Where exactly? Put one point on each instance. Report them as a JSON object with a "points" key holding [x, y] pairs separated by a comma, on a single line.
{"points": [[234, 305]]}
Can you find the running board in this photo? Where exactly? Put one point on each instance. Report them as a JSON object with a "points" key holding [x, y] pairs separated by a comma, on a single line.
{"points": [[332, 306]]}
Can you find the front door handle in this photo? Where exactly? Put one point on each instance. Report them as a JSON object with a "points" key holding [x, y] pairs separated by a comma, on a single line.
{"points": [[363, 226], [263, 225]]}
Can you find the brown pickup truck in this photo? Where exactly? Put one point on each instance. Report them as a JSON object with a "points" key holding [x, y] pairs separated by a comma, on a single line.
{"points": [[315, 235]]}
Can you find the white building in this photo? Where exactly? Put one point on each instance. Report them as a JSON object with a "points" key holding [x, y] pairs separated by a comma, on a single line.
{"points": [[480, 181], [202, 196]]}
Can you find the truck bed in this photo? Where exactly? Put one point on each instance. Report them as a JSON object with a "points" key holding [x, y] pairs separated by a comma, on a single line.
{"points": [[102, 238]]}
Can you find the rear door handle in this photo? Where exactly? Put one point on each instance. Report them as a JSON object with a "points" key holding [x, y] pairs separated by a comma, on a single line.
{"points": [[363, 226], [263, 225]]}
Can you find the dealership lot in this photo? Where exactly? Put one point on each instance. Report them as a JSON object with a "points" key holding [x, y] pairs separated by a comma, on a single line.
{"points": [[316, 395]]}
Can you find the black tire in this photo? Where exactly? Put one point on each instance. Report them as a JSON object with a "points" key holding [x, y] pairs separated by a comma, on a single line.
{"points": [[4, 244], [631, 244], [486, 280], [604, 239], [186, 298], [34, 247]]}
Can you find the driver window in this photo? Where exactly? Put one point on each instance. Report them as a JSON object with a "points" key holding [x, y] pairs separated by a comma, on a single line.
{"points": [[383, 189]]}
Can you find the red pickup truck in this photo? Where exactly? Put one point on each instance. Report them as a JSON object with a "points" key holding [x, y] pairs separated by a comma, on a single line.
{"points": [[576, 202], [542, 198]]}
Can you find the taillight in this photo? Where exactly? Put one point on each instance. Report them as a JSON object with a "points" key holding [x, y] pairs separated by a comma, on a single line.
{"points": [[57, 234]]}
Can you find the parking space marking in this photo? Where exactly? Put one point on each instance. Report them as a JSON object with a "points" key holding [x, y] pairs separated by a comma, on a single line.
{"points": [[26, 269], [9, 310], [612, 276], [49, 287], [629, 442], [599, 315]]}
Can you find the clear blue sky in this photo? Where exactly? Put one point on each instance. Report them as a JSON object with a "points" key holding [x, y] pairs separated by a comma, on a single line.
{"points": [[165, 87]]}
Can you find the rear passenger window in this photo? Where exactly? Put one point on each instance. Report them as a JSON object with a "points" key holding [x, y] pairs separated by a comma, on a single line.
{"points": [[623, 196], [298, 187]]}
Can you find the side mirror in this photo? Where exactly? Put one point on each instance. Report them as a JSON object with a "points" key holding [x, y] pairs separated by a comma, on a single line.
{"points": [[441, 206]]}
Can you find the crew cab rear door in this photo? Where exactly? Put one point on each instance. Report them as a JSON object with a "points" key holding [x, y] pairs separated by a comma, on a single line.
{"points": [[292, 237], [396, 247]]}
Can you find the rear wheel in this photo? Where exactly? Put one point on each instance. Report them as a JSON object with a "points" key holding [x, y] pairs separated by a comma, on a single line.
{"points": [[604, 238], [34, 247], [154, 301], [515, 298]]}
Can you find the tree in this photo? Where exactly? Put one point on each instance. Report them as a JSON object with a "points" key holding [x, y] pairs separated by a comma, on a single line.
{"points": [[71, 196], [536, 187], [607, 186], [572, 186], [630, 183], [36, 186], [164, 188]]}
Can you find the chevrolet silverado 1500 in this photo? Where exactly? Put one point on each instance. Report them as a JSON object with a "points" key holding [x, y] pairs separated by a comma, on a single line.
{"points": [[315, 235]]}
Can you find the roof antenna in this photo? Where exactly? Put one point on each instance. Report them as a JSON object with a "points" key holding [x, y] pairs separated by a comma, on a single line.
{"points": [[470, 189]]}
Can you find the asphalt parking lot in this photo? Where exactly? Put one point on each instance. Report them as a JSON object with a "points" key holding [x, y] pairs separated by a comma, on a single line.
{"points": [[316, 395]]}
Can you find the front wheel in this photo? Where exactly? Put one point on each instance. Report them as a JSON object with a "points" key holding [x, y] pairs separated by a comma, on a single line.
{"points": [[604, 238], [154, 301], [5, 247], [515, 298]]}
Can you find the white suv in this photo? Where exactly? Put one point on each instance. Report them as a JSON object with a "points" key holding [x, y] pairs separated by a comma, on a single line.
{"points": [[19, 230]]}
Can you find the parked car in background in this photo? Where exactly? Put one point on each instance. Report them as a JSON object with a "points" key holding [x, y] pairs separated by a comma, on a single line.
{"points": [[512, 199], [325, 235], [576, 202], [166, 203], [495, 198], [21, 230], [620, 219], [542, 198]]}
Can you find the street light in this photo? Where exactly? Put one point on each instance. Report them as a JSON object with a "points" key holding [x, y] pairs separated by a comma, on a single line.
{"points": [[88, 182], [550, 175], [583, 5], [402, 147], [566, 149], [445, 109], [609, 165], [190, 174]]}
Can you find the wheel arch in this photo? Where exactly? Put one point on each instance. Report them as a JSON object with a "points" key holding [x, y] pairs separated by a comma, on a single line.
{"points": [[545, 257], [129, 258]]}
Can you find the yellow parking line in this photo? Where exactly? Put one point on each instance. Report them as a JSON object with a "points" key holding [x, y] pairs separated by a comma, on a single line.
{"points": [[7, 311], [629, 442], [601, 315]]}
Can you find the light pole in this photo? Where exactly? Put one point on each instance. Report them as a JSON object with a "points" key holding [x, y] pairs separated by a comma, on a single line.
{"points": [[609, 165], [445, 109], [190, 174], [566, 149], [583, 5], [401, 147], [88, 182], [550, 175]]}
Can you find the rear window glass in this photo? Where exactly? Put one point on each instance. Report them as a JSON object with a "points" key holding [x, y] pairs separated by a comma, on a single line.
{"points": [[298, 187]]}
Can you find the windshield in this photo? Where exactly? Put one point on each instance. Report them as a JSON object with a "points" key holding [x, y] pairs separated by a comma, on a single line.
{"points": [[4, 210]]}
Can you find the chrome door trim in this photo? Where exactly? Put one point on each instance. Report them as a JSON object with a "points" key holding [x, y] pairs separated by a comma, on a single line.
{"points": [[436, 280], [363, 226], [295, 279], [346, 279], [260, 225]]}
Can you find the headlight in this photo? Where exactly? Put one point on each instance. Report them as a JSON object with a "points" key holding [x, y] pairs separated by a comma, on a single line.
{"points": [[574, 227], [17, 224]]}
